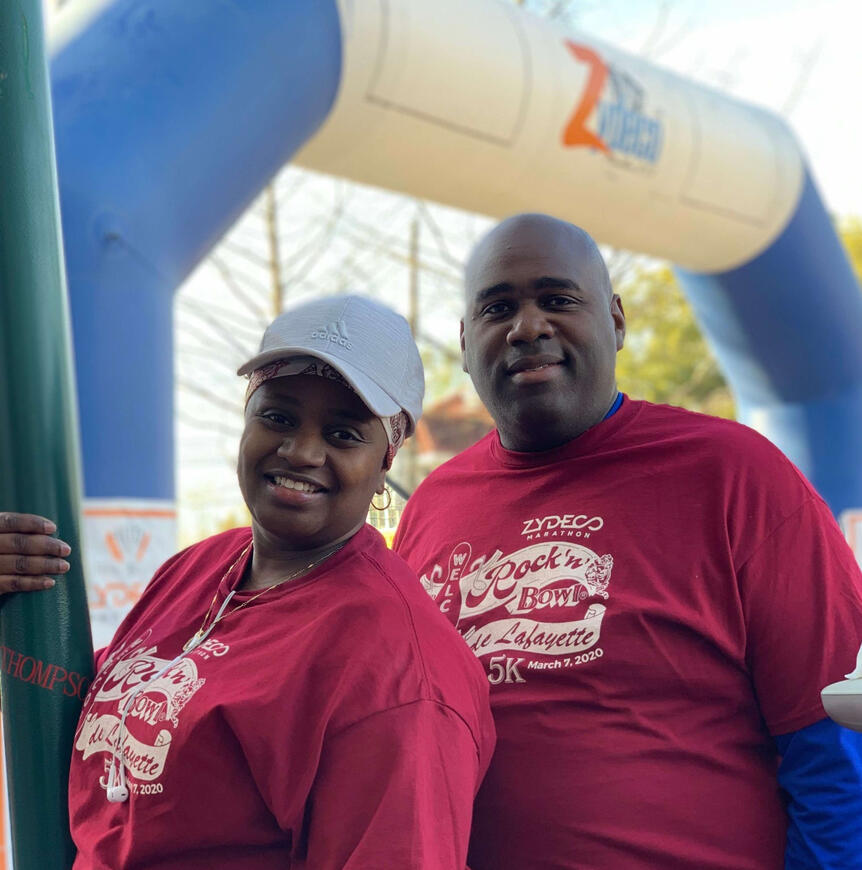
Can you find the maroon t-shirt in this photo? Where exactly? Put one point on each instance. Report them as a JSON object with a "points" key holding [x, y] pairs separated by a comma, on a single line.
{"points": [[651, 602], [337, 721]]}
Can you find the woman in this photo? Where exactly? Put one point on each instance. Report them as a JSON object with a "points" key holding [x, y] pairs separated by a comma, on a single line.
{"points": [[288, 695]]}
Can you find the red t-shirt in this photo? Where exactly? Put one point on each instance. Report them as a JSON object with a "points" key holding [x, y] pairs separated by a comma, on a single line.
{"points": [[651, 602], [337, 721]]}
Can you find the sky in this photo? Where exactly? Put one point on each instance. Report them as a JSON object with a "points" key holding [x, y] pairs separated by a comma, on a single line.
{"points": [[798, 58]]}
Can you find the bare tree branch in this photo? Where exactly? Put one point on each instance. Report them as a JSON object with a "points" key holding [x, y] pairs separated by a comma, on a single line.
{"points": [[210, 426], [238, 291], [384, 246], [288, 190], [208, 394], [244, 252], [446, 349], [658, 29], [302, 259], [220, 327], [437, 233], [808, 62], [230, 319], [188, 328], [274, 255], [210, 356]]}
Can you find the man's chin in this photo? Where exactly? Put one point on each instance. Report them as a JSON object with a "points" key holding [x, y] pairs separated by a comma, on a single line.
{"points": [[545, 402], [533, 425], [543, 421]]}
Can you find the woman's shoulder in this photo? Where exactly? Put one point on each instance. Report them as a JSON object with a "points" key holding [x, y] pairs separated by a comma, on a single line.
{"points": [[221, 544], [390, 580], [202, 553], [402, 606], [222, 541], [379, 590], [396, 632]]}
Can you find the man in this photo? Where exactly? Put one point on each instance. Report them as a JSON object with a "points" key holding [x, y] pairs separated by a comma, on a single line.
{"points": [[657, 596]]}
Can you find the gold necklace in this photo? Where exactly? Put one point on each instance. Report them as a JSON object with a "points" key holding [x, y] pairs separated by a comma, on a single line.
{"points": [[205, 630]]}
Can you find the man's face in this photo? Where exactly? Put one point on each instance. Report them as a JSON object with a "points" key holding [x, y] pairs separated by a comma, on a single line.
{"points": [[541, 332]]}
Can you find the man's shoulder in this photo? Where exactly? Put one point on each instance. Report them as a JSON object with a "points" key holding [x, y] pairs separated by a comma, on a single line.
{"points": [[658, 413], [726, 446], [680, 423]]}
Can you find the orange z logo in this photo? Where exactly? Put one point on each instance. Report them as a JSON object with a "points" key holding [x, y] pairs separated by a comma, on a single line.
{"points": [[576, 132]]}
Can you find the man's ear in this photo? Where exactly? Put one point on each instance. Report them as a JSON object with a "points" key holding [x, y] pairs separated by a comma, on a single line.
{"points": [[619, 317], [463, 351]]}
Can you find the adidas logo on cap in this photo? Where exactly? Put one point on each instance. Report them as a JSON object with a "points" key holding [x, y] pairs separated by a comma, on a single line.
{"points": [[336, 332]]}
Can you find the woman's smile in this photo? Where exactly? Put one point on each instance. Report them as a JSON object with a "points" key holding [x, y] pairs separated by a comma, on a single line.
{"points": [[290, 482]]}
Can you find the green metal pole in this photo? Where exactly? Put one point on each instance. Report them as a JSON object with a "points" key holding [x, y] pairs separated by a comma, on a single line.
{"points": [[46, 655]]}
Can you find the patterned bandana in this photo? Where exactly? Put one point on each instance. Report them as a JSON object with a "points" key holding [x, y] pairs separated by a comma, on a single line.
{"points": [[395, 426]]}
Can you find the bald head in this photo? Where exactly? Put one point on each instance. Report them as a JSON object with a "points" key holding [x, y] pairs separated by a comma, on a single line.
{"points": [[541, 330], [520, 233]]}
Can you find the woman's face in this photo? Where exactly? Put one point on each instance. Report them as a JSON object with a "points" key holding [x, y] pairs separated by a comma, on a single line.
{"points": [[310, 460]]}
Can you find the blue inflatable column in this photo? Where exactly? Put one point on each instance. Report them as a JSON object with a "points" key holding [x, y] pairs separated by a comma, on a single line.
{"points": [[170, 117], [786, 328]]}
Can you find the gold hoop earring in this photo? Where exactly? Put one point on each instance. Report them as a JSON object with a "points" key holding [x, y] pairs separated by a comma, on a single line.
{"points": [[388, 495]]}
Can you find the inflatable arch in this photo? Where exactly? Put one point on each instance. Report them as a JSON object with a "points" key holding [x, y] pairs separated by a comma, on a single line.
{"points": [[171, 115]]}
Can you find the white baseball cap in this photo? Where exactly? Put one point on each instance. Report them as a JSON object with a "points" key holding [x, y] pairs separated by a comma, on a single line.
{"points": [[368, 343]]}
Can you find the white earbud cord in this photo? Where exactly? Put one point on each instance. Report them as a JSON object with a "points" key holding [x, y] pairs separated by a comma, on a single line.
{"points": [[118, 791]]}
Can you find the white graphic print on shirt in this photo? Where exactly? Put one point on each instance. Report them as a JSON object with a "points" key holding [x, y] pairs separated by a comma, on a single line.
{"points": [[152, 717], [544, 599]]}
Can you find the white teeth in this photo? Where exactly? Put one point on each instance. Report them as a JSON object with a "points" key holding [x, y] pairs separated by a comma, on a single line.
{"points": [[289, 483]]}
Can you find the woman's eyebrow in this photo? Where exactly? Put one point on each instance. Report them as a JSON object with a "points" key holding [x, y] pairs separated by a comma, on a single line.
{"points": [[367, 416], [274, 398]]}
